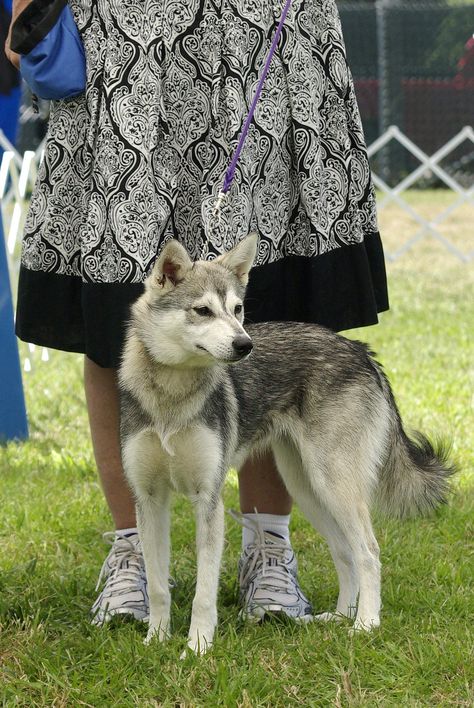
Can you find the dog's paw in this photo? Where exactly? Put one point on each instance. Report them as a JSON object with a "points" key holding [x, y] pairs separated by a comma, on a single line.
{"points": [[199, 643], [329, 617], [199, 646], [151, 635], [195, 649], [364, 625], [159, 633]]}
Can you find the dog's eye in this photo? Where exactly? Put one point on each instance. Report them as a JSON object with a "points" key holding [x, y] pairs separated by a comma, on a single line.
{"points": [[203, 311], [238, 309]]}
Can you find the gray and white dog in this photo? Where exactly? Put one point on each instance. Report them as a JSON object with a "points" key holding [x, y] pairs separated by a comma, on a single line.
{"points": [[194, 404]]}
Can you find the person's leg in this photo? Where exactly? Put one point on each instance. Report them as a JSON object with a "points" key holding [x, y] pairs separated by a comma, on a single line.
{"points": [[102, 398], [267, 566], [124, 591], [261, 487]]}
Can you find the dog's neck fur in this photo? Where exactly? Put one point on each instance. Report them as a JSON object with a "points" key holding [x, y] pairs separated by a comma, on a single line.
{"points": [[173, 396]]}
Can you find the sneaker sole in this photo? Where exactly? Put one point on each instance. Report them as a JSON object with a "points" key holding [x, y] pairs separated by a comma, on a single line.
{"points": [[273, 612], [122, 614]]}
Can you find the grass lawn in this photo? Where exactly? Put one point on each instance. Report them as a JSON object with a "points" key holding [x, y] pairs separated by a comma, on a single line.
{"points": [[52, 515]]}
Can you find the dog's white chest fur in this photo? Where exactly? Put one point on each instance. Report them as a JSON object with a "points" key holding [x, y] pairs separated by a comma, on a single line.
{"points": [[196, 450]]}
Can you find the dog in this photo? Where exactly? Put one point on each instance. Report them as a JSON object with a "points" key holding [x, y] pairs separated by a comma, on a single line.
{"points": [[200, 394]]}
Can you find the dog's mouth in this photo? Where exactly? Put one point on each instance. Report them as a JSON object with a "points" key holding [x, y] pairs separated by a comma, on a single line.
{"points": [[203, 349], [239, 357], [224, 360]]}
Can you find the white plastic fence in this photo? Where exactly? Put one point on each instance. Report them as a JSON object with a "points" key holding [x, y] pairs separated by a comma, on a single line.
{"points": [[428, 228], [17, 176]]}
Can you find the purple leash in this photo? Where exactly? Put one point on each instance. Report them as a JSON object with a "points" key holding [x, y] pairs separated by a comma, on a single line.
{"points": [[230, 174]]}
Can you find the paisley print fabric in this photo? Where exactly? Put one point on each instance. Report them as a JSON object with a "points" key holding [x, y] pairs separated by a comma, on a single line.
{"points": [[141, 157]]}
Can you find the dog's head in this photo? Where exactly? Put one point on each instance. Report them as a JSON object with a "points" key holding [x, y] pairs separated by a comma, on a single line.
{"points": [[191, 314]]}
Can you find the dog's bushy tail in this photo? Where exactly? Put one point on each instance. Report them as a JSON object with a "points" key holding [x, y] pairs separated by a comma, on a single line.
{"points": [[415, 478]]}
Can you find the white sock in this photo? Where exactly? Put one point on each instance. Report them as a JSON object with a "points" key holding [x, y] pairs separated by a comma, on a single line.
{"points": [[127, 532], [269, 522]]}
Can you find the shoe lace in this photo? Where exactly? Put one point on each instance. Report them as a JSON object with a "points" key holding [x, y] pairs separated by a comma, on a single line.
{"points": [[267, 554], [124, 561]]}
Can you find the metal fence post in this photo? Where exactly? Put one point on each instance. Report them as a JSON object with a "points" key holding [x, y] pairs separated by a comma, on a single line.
{"points": [[383, 77]]}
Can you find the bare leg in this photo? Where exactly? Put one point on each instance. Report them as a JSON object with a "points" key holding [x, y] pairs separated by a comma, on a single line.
{"points": [[261, 487], [104, 415]]}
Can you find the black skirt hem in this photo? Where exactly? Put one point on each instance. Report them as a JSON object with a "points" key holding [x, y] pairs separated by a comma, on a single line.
{"points": [[342, 289]]}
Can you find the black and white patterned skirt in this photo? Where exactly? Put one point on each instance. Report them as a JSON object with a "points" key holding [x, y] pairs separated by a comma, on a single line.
{"points": [[140, 159]]}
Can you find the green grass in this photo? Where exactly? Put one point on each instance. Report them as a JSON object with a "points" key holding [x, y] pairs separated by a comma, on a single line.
{"points": [[52, 516]]}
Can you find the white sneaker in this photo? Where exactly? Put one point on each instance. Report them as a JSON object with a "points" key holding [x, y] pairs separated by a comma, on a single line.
{"points": [[268, 577], [125, 588]]}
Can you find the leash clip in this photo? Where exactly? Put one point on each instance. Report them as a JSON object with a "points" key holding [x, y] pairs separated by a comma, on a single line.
{"points": [[220, 200]]}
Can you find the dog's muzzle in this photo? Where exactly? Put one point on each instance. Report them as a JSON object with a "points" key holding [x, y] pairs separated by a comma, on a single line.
{"points": [[242, 345]]}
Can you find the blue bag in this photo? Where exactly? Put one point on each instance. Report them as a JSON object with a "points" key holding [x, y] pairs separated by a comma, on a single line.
{"points": [[53, 61]]}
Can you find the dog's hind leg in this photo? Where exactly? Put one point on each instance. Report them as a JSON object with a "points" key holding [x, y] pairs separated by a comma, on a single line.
{"points": [[289, 464], [342, 483], [141, 457], [355, 553], [330, 498], [368, 561], [343, 560]]}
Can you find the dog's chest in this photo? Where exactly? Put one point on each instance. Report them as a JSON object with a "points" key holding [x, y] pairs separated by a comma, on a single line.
{"points": [[182, 480], [195, 462]]}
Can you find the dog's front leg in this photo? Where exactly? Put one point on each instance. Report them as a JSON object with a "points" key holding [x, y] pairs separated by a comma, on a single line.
{"points": [[153, 518], [144, 462], [209, 544]]}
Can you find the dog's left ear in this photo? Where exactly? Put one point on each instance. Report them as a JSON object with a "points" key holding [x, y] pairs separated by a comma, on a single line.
{"points": [[171, 267], [240, 259]]}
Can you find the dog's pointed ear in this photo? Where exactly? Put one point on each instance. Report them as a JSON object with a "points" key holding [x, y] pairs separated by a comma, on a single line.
{"points": [[240, 259], [171, 267]]}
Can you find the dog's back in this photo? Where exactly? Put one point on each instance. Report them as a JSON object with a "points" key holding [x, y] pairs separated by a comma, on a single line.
{"points": [[301, 372]]}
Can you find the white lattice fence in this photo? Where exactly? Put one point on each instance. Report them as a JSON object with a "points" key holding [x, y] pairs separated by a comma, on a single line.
{"points": [[428, 227], [17, 177]]}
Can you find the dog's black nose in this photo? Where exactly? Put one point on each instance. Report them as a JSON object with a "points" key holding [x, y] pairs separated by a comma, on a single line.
{"points": [[242, 344]]}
